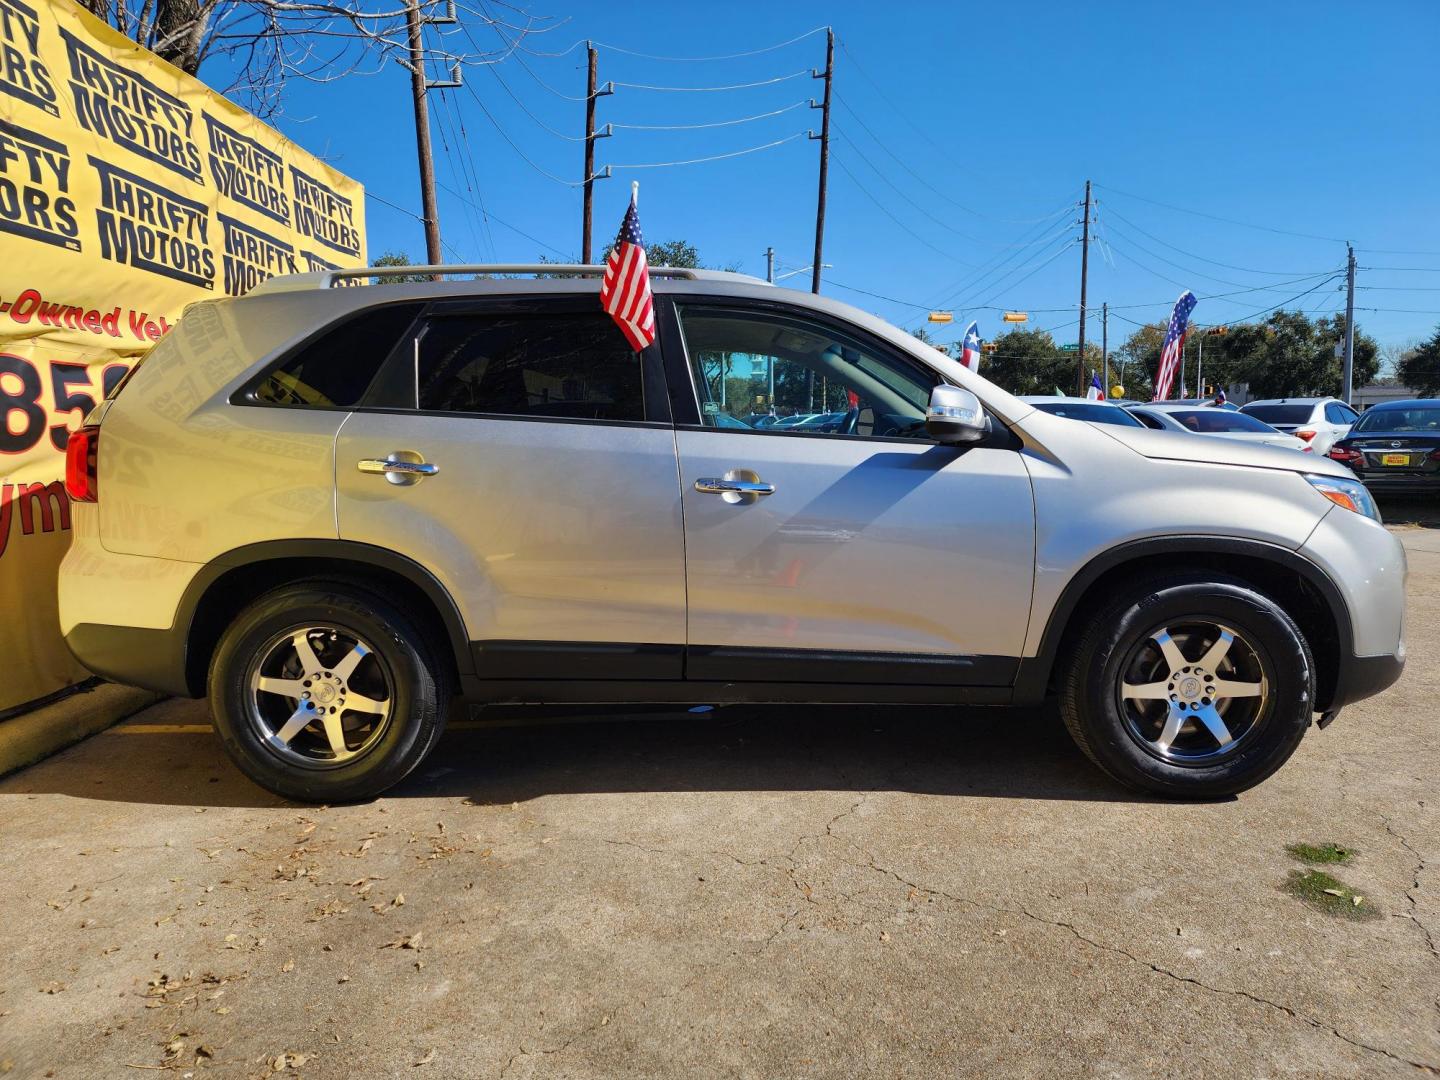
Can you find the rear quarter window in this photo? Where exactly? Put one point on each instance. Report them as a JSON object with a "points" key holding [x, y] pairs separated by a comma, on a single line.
{"points": [[336, 367]]}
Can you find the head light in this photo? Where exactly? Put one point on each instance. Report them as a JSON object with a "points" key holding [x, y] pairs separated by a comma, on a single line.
{"points": [[1351, 494]]}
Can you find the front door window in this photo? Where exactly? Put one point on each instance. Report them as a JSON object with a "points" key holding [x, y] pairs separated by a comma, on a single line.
{"points": [[772, 372]]}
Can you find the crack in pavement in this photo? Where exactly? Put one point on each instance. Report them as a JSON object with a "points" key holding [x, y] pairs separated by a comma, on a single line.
{"points": [[1414, 886], [1104, 947]]}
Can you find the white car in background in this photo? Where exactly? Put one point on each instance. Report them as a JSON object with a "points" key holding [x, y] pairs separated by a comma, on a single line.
{"points": [[1207, 420], [1319, 421]]}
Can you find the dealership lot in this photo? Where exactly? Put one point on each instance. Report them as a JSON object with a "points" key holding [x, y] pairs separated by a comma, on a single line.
{"points": [[749, 892]]}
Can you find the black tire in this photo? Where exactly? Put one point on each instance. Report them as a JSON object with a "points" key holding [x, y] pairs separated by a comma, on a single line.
{"points": [[411, 666], [1096, 715]]}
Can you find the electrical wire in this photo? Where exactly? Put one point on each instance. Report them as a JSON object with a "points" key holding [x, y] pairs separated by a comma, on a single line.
{"points": [[683, 59], [569, 256], [1217, 217], [714, 124], [712, 157], [514, 146], [1192, 255], [712, 89], [493, 69], [894, 187], [1129, 239], [411, 213], [886, 211]]}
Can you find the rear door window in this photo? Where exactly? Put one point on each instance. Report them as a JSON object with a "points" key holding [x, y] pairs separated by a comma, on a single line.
{"points": [[574, 366]]}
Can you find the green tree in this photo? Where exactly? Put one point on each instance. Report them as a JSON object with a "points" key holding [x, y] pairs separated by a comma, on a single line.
{"points": [[1419, 369], [398, 258], [1028, 362]]}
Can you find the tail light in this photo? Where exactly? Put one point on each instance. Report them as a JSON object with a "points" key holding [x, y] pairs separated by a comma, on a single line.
{"points": [[1346, 456], [81, 455], [1434, 455], [1307, 449], [1304, 433]]}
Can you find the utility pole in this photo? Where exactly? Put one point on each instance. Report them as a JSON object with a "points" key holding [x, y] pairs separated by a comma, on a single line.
{"points": [[824, 138], [1348, 389], [419, 85], [1084, 275], [770, 265], [592, 92], [1105, 349], [422, 135]]}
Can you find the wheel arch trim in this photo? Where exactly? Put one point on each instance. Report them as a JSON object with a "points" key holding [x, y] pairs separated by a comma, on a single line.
{"points": [[1033, 678], [351, 551]]}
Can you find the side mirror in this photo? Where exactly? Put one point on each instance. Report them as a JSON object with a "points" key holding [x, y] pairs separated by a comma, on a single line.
{"points": [[955, 416]]}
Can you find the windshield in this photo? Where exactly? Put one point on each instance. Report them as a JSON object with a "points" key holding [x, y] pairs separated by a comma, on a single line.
{"points": [[1085, 410], [1422, 418], [1280, 414], [1219, 421]]}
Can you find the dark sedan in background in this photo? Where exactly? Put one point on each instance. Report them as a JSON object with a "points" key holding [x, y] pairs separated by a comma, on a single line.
{"points": [[1394, 448]]}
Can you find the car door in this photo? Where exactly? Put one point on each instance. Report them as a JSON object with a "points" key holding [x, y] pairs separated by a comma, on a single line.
{"points": [[1338, 417], [848, 547], [520, 451]]}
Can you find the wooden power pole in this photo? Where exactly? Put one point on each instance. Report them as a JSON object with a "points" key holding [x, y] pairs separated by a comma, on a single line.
{"points": [[419, 86], [589, 157], [824, 138], [431, 213], [1084, 274]]}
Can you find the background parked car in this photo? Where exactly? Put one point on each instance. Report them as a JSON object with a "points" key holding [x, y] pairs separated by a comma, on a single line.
{"points": [[1319, 421], [1210, 421], [1395, 447], [1096, 412]]}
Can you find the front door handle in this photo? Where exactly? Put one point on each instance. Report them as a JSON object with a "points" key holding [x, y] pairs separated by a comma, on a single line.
{"points": [[400, 467], [739, 486]]}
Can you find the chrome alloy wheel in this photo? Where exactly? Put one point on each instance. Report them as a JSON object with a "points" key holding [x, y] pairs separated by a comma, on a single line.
{"points": [[1192, 692], [319, 696]]}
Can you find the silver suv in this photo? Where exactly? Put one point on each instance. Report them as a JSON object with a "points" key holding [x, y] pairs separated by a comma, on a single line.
{"points": [[335, 509]]}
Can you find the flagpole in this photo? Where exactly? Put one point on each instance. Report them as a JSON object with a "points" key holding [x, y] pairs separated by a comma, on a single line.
{"points": [[635, 193]]}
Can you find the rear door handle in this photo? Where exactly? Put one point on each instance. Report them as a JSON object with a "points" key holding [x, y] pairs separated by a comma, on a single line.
{"points": [[716, 485], [400, 467]]}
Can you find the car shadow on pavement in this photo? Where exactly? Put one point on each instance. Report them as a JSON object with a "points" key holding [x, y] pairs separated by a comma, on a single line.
{"points": [[512, 754], [1419, 513]]}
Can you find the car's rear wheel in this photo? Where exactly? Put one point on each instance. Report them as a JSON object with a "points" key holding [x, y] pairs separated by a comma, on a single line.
{"points": [[1189, 686], [327, 692]]}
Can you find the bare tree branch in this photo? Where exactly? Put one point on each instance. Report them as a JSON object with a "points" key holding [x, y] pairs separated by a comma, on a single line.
{"points": [[257, 46]]}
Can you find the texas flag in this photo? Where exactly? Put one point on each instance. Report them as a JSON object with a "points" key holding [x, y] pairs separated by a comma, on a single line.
{"points": [[970, 349], [1096, 392]]}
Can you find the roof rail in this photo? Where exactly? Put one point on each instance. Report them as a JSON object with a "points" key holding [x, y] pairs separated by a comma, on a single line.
{"points": [[327, 279]]}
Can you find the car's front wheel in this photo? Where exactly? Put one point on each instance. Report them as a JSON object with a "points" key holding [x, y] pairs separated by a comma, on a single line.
{"points": [[327, 692], [1189, 686]]}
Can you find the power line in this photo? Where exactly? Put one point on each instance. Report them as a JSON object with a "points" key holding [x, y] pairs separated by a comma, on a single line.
{"points": [[886, 211], [526, 109], [1217, 217], [979, 283], [411, 214], [683, 59], [712, 157], [512, 228], [713, 89], [514, 146], [1192, 255], [1171, 262], [713, 124], [943, 224]]}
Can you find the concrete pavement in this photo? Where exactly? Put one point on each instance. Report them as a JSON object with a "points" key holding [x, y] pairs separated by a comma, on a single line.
{"points": [[807, 892]]}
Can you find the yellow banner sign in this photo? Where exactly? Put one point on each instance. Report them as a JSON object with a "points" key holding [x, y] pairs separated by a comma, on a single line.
{"points": [[127, 190]]}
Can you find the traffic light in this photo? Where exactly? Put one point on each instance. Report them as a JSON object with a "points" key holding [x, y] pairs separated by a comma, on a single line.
{"points": [[1015, 316], [1217, 331], [989, 347], [941, 317]]}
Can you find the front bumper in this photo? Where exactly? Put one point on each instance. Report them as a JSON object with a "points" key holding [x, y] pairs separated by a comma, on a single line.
{"points": [[1361, 677]]}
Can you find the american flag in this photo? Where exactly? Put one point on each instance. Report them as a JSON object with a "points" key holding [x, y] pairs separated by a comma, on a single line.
{"points": [[625, 289], [970, 349], [1170, 352]]}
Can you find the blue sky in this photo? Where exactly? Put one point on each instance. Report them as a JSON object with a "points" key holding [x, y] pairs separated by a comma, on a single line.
{"points": [[984, 121]]}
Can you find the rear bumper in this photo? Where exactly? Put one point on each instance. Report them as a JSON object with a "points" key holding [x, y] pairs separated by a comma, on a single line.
{"points": [[1361, 677], [138, 656], [1390, 484]]}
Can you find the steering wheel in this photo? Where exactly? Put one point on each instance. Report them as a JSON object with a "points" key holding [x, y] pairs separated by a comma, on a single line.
{"points": [[851, 423]]}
